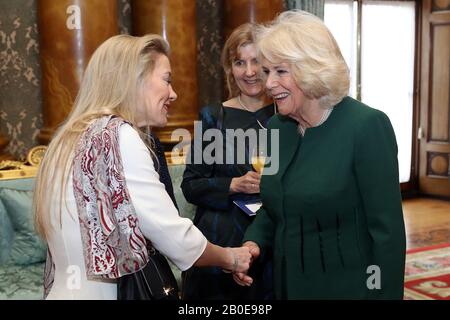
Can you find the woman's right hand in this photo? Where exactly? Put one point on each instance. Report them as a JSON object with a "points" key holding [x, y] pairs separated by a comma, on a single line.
{"points": [[239, 259], [248, 183], [242, 278]]}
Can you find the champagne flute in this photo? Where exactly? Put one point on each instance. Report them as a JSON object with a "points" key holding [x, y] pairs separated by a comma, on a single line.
{"points": [[258, 159]]}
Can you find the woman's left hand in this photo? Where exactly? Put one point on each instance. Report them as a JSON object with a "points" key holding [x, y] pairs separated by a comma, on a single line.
{"points": [[248, 183], [242, 279]]}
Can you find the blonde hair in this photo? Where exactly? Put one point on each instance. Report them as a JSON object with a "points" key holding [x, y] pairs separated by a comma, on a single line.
{"points": [[110, 86], [241, 36], [305, 43]]}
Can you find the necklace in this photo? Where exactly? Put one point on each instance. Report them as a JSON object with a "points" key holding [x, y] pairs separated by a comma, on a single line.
{"points": [[247, 109], [325, 116]]}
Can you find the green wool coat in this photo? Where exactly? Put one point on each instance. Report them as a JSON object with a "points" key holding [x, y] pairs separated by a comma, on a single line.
{"points": [[333, 213]]}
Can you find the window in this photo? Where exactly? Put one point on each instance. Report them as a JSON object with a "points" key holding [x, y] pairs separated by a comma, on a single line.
{"points": [[382, 65]]}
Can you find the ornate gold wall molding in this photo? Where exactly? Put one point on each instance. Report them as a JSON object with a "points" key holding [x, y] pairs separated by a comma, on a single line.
{"points": [[22, 169]]}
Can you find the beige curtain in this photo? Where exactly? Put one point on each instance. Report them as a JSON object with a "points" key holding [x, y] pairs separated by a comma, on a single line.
{"points": [[313, 6]]}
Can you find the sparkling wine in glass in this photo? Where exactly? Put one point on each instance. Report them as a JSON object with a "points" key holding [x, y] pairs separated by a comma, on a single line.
{"points": [[258, 159]]}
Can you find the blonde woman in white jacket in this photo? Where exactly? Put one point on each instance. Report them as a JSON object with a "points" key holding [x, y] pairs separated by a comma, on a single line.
{"points": [[97, 192]]}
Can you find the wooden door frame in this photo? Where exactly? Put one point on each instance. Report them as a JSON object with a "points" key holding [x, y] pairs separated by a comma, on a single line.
{"points": [[411, 188], [425, 64]]}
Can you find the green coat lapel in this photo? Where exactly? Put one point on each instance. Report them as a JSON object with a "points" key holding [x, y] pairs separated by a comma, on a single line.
{"points": [[289, 141]]}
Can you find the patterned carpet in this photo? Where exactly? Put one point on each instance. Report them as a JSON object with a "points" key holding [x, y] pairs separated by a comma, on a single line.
{"points": [[427, 273]]}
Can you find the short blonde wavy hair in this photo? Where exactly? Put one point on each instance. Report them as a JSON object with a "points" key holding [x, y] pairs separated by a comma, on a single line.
{"points": [[304, 42]]}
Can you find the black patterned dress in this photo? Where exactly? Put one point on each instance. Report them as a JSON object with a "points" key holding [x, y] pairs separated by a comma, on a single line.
{"points": [[221, 221]]}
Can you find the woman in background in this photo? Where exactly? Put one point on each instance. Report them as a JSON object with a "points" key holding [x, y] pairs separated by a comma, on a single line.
{"points": [[212, 188]]}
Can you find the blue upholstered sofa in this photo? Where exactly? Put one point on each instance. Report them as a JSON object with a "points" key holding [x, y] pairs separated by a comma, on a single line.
{"points": [[186, 209], [22, 253]]}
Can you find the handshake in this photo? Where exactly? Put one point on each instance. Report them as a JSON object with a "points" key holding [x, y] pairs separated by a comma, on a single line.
{"points": [[242, 258]]}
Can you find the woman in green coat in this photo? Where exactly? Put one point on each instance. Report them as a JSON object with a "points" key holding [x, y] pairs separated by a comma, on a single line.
{"points": [[213, 188], [332, 213]]}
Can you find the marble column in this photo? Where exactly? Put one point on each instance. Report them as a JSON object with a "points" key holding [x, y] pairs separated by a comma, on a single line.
{"points": [[70, 31], [238, 12], [3, 144], [175, 21]]}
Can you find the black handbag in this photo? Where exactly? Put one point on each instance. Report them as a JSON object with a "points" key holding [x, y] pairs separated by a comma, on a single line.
{"points": [[154, 282]]}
